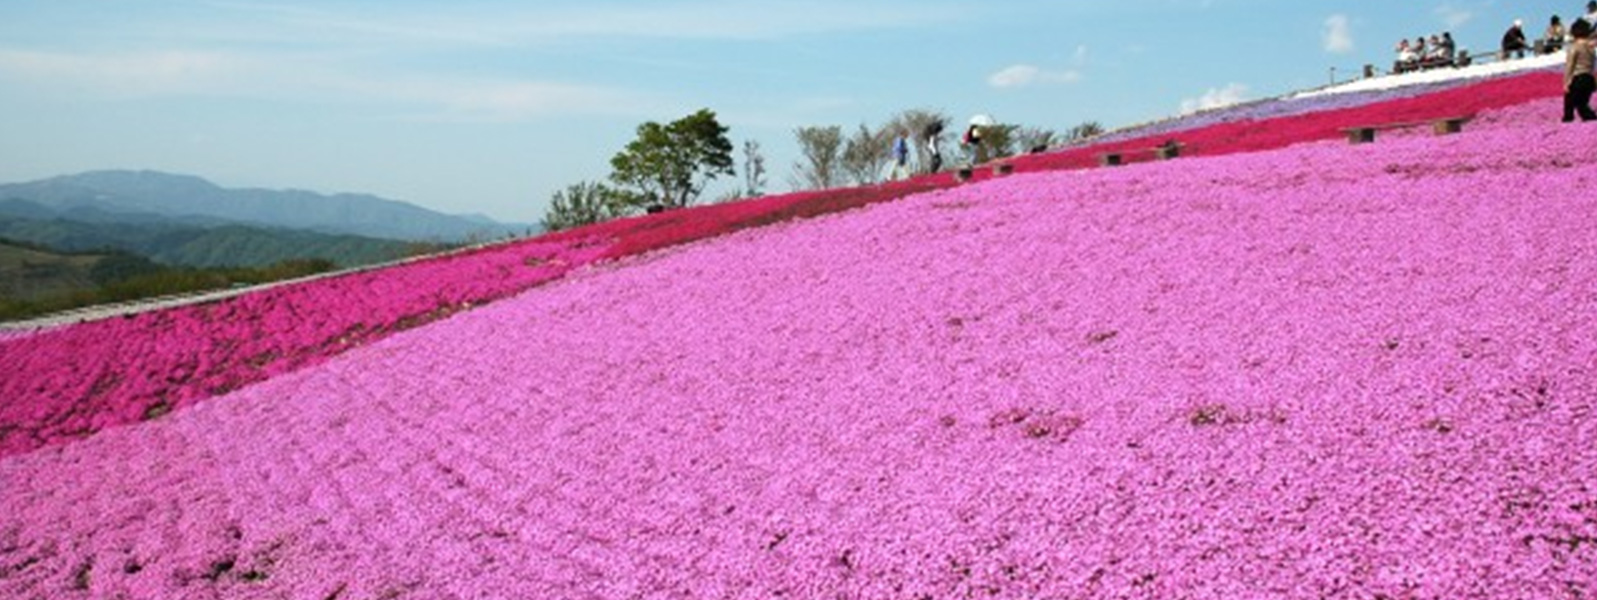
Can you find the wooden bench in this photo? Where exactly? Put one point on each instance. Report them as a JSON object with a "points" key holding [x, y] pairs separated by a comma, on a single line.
{"points": [[963, 174], [1443, 126], [1165, 151]]}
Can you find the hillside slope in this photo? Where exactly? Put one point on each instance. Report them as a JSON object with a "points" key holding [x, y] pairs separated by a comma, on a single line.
{"points": [[1318, 371], [32, 273]]}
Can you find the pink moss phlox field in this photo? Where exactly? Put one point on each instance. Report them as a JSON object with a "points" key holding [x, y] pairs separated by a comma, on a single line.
{"points": [[1324, 371], [1281, 107], [1249, 135], [68, 383]]}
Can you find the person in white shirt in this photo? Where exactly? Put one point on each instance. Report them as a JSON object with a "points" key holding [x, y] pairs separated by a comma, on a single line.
{"points": [[1553, 38], [1405, 57]]}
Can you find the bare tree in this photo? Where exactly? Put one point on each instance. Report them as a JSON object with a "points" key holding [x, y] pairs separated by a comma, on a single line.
{"points": [[822, 148], [997, 141], [753, 170], [863, 155], [1085, 131], [1034, 139]]}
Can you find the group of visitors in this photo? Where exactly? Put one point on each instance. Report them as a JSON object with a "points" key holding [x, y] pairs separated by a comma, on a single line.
{"points": [[1553, 39], [1427, 53], [1576, 41], [932, 136]]}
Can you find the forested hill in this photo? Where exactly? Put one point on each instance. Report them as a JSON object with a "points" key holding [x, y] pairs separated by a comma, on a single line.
{"points": [[192, 243]]}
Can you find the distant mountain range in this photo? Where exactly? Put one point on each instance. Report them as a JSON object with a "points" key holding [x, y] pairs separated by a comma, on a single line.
{"points": [[154, 197], [189, 241]]}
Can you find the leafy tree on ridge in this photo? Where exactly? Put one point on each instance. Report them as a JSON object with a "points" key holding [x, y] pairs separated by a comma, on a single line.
{"points": [[670, 165]]}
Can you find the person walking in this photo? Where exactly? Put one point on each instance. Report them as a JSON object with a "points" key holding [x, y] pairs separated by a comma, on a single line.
{"points": [[933, 133], [1579, 84], [901, 156]]}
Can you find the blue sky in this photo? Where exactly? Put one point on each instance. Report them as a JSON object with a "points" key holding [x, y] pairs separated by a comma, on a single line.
{"points": [[488, 106]]}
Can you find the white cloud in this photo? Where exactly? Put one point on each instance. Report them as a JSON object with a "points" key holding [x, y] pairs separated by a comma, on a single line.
{"points": [[123, 74], [312, 78], [1027, 75], [1338, 35], [1216, 98], [1453, 16], [493, 24]]}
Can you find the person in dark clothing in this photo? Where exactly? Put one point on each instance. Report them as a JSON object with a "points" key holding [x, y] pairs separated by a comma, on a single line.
{"points": [[933, 133], [1579, 84], [1514, 41], [1449, 51]]}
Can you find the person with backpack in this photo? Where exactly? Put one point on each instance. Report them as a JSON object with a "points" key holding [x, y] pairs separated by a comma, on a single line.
{"points": [[971, 142]]}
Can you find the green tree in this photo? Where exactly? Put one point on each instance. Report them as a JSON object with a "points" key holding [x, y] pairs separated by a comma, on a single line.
{"points": [[119, 266], [671, 164], [581, 204]]}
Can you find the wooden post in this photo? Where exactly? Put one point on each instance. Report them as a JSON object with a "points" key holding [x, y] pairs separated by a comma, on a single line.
{"points": [[1448, 126], [1003, 169]]}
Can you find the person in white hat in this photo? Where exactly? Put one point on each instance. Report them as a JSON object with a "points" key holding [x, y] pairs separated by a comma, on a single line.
{"points": [[1514, 41]]}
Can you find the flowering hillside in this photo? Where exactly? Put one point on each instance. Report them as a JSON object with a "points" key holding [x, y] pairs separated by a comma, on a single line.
{"points": [[73, 382], [1318, 371]]}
